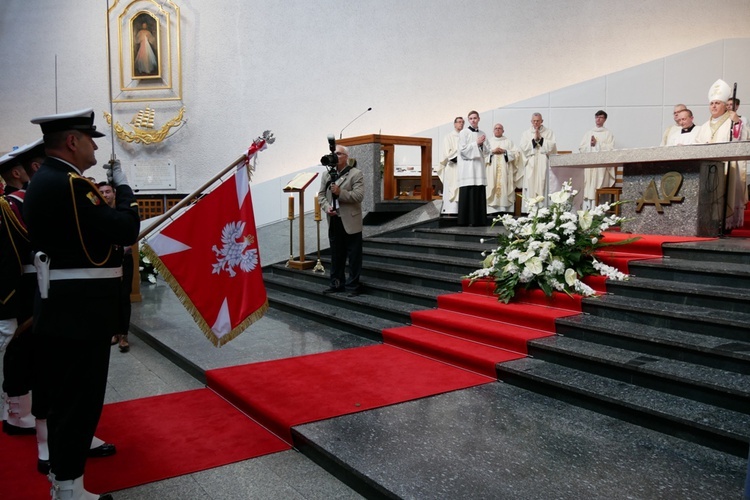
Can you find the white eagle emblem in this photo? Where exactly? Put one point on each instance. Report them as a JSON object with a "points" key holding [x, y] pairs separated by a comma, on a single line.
{"points": [[235, 251]]}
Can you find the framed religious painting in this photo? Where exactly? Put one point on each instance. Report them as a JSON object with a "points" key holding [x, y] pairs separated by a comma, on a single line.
{"points": [[145, 34], [145, 63]]}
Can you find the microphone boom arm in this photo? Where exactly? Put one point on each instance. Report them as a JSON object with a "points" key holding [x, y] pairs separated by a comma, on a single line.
{"points": [[357, 118]]}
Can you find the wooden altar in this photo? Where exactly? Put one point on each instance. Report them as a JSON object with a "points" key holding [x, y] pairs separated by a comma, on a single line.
{"points": [[387, 144]]}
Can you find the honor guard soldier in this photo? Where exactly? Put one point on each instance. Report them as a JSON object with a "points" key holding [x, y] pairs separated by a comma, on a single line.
{"points": [[14, 253], [73, 234], [21, 363]]}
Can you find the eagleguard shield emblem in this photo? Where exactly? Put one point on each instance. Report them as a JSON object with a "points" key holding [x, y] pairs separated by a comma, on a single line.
{"points": [[235, 251]]}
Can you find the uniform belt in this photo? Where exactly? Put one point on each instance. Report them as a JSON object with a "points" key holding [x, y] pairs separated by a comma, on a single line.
{"points": [[85, 273], [29, 269]]}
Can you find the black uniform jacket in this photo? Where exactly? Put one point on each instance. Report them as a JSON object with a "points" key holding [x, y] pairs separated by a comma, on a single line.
{"points": [[14, 252], [69, 221]]}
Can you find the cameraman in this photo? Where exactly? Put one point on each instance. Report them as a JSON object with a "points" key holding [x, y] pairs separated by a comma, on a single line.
{"points": [[341, 192]]}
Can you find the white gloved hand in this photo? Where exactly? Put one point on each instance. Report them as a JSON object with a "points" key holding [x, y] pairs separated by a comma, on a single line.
{"points": [[7, 328], [115, 174]]}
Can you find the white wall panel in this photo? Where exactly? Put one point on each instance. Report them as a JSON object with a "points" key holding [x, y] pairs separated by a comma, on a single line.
{"points": [[643, 84], [735, 70], [588, 93], [689, 74], [540, 101], [636, 126], [569, 125]]}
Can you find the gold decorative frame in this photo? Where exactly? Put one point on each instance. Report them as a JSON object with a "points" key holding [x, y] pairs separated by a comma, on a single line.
{"points": [[127, 84]]}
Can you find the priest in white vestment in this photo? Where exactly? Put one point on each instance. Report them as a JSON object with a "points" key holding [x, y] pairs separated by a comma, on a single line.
{"points": [[504, 172], [688, 131], [719, 128], [473, 152], [597, 139], [673, 129], [447, 169], [537, 143]]}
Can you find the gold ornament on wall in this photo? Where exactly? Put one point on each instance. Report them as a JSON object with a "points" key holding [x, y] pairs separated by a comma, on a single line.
{"points": [[142, 125]]}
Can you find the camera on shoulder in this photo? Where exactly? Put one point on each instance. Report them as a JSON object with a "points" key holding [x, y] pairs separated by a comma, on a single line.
{"points": [[331, 160]]}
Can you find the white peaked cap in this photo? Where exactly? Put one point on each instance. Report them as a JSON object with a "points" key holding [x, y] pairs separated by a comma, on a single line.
{"points": [[719, 91], [28, 147]]}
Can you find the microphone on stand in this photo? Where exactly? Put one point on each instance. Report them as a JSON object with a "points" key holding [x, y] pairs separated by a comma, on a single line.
{"points": [[357, 118]]}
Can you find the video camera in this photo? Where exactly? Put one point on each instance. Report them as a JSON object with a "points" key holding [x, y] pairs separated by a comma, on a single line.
{"points": [[331, 160]]}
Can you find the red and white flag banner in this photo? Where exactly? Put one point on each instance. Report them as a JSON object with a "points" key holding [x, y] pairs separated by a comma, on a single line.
{"points": [[209, 256]]}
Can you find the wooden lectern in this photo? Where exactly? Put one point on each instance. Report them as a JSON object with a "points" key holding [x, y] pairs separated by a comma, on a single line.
{"points": [[298, 185]]}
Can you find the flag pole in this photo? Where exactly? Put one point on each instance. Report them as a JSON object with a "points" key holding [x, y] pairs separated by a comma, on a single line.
{"points": [[112, 158], [189, 198]]}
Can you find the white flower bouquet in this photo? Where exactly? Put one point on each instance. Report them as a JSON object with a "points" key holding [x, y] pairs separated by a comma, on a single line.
{"points": [[552, 248], [146, 268]]}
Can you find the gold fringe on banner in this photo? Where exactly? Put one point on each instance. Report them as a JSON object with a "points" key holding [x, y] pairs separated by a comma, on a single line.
{"points": [[190, 307]]}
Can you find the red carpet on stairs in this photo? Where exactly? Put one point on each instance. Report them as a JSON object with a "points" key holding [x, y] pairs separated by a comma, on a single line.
{"points": [[648, 246], [156, 438], [476, 331]]}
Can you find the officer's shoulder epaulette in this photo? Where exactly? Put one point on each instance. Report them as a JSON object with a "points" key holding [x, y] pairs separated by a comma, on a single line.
{"points": [[86, 186]]}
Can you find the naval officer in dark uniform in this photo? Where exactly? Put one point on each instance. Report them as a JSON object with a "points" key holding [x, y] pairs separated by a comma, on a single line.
{"points": [[74, 234]]}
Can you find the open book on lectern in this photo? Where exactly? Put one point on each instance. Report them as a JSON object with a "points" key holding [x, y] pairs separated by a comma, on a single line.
{"points": [[300, 182]]}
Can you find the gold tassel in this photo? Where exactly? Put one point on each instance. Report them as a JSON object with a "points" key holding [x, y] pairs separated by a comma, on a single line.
{"points": [[190, 307]]}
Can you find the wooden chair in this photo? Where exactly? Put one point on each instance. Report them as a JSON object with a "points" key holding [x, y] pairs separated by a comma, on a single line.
{"points": [[609, 195]]}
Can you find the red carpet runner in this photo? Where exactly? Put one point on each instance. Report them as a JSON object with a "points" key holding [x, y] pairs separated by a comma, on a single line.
{"points": [[157, 438], [284, 393]]}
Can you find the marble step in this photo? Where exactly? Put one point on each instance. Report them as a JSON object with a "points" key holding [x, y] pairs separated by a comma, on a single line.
{"points": [[381, 307], [711, 271], [727, 298], [407, 275], [727, 389], [501, 441], [458, 233], [458, 266], [731, 325], [736, 250], [419, 296], [717, 352], [355, 322], [424, 246], [717, 427]]}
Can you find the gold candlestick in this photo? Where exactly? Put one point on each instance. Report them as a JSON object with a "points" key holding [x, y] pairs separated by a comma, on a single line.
{"points": [[290, 216]]}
